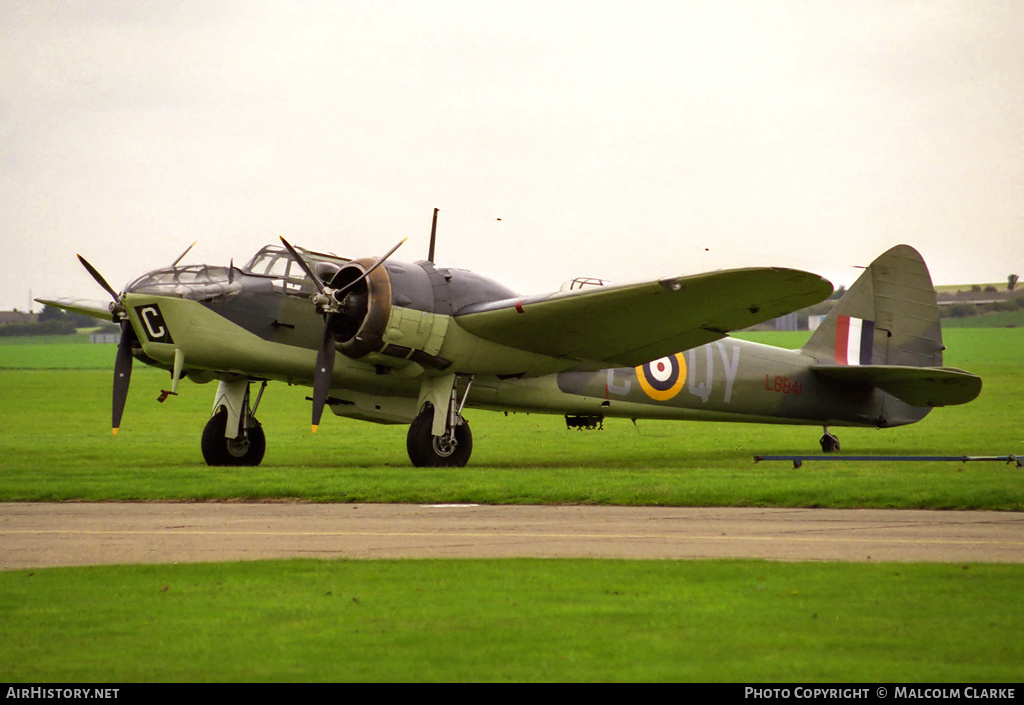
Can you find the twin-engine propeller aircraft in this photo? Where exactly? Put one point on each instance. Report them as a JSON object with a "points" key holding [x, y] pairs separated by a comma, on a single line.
{"points": [[417, 344]]}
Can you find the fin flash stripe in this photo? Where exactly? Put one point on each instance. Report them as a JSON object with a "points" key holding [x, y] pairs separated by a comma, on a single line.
{"points": [[855, 339]]}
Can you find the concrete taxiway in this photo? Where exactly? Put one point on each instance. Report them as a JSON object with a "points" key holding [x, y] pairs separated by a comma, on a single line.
{"points": [[36, 535]]}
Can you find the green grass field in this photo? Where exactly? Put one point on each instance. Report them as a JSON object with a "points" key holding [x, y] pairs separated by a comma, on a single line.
{"points": [[512, 620], [57, 446], [1004, 319]]}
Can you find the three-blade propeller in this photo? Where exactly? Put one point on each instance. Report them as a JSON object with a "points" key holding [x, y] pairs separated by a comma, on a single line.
{"points": [[123, 361], [333, 302]]}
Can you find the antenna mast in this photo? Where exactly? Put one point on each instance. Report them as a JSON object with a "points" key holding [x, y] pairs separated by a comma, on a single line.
{"points": [[433, 237]]}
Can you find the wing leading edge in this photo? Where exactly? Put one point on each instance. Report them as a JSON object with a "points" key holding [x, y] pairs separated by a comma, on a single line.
{"points": [[631, 324], [89, 307]]}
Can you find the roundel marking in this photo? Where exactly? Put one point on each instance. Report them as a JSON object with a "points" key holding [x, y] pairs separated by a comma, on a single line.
{"points": [[662, 379]]}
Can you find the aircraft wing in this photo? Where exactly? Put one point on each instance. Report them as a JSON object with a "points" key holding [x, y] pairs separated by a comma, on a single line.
{"points": [[631, 324], [89, 307], [917, 386]]}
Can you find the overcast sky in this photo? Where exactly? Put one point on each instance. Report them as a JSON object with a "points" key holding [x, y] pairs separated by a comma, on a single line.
{"points": [[623, 140]]}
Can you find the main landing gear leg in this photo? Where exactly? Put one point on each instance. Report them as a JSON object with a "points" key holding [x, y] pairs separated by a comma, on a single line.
{"points": [[233, 436], [440, 436], [829, 443]]}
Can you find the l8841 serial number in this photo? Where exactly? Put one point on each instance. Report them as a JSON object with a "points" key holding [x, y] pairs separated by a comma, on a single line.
{"points": [[783, 385]]}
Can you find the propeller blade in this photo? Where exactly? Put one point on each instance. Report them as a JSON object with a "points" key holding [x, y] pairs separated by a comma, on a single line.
{"points": [[182, 255], [369, 271], [122, 374], [324, 370], [99, 278], [305, 267]]}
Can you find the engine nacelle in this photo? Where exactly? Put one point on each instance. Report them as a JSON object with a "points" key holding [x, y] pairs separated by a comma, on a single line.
{"points": [[389, 318], [401, 313]]}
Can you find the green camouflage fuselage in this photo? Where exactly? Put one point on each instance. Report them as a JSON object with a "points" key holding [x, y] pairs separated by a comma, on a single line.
{"points": [[273, 335], [394, 342]]}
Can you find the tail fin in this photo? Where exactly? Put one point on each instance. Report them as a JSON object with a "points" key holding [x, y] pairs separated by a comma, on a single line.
{"points": [[885, 332], [888, 317]]}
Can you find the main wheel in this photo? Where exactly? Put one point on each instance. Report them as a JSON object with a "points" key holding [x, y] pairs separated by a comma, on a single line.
{"points": [[429, 451], [247, 449]]}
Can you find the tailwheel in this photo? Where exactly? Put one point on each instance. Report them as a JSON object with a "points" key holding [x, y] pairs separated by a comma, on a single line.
{"points": [[829, 443], [450, 450]]}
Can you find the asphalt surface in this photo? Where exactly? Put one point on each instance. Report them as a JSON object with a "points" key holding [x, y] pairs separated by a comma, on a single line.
{"points": [[63, 534]]}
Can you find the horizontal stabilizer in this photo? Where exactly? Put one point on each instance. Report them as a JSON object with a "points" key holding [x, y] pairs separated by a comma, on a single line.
{"points": [[917, 386], [88, 307]]}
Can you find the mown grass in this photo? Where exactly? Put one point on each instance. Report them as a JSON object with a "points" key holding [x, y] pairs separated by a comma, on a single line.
{"points": [[513, 620], [507, 620], [57, 446], [1002, 319], [73, 354]]}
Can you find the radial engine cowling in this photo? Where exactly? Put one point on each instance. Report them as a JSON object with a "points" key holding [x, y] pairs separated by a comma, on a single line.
{"points": [[360, 327], [384, 319]]}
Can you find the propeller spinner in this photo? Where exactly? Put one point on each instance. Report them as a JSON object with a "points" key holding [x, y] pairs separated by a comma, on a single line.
{"points": [[333, 302]]}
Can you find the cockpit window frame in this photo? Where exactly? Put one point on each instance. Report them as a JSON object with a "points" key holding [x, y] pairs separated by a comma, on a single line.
{"points": [[293, 273], [190, 275]]}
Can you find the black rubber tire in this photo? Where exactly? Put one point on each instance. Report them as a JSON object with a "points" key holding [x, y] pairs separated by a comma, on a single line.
{"points": [[429, 451], [220, 451], [829, 443]]}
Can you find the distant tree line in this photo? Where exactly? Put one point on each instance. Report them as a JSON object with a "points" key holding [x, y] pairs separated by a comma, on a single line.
{"points": [[967, 309], [52, 321]]}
